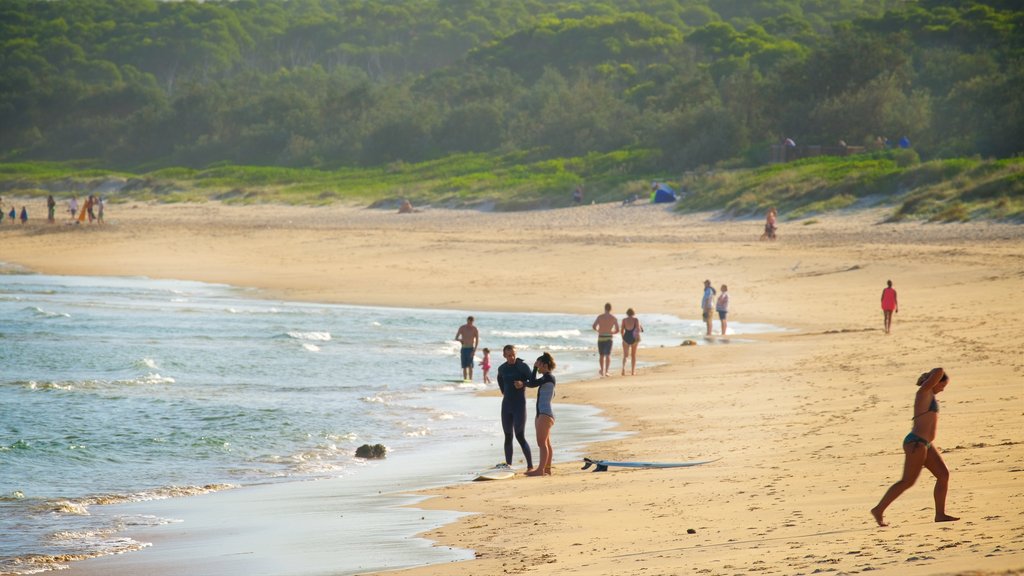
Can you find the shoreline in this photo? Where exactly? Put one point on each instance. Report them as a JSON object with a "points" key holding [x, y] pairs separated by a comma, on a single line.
{"points": [[809, 425], [310, 527]]}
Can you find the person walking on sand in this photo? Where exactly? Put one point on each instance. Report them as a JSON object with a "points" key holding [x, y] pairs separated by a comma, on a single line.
{"points": [[606, 325], [469, 336], [707, 304], [24, 215], [511, 378], [919, 452], [545, 418], [485, 365], [51, 208], [73, 206], [889, 305], [631, 329]]}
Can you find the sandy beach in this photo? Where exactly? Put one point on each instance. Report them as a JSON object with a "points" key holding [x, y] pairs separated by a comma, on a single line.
{"points": [[808, 423]]}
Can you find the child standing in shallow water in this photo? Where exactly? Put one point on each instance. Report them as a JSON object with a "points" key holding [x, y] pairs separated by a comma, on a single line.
{"points": [[919, 451], [485, 365]]}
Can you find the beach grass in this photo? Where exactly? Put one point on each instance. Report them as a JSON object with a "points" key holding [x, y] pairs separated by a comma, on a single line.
{"points": [[948, 190], [958, 189]]}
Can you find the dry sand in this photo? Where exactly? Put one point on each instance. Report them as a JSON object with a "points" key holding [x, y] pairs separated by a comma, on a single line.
{"points": [[808, 423]]}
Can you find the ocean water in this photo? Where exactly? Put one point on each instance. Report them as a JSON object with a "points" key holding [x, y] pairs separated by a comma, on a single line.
{"points": [[128, 390]]}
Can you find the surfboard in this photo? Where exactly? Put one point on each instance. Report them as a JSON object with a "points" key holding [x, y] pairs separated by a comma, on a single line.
{"points": [[602, 465], [499, 472]]}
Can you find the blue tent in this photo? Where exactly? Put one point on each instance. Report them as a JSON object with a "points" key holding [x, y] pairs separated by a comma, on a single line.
{"points": [[663, 193]]}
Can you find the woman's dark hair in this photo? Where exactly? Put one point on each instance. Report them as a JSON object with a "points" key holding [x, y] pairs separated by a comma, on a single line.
{"points": [[548, 359], [924, 377]]}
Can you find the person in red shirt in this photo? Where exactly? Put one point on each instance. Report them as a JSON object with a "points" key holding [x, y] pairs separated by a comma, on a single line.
{"points": [[889, 305]]}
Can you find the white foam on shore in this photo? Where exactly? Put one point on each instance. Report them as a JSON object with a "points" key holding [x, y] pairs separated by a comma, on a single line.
{"points": [[364, 522]]}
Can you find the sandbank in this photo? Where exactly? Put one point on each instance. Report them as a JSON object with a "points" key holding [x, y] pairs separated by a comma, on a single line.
{"points": [[808, 422]]}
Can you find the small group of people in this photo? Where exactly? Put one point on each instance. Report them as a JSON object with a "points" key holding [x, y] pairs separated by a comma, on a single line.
{"points": [[607, 326], [92, 209], [709, 304], [13, 213], [514, 376]]}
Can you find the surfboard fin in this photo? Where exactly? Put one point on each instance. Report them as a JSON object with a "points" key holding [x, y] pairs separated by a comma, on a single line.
{"points": [[597, 466]]}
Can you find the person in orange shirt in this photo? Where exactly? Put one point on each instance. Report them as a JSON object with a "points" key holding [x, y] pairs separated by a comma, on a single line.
{"points": [[889, 305]]}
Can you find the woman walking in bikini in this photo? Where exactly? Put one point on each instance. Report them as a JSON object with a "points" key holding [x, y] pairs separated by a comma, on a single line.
{"points": [[919, 450]]}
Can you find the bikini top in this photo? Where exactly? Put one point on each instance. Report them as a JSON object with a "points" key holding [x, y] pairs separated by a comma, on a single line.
{"points": [[933, 407]]}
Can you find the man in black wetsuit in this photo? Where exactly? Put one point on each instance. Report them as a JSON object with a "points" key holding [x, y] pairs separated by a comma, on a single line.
{"points": [[511, 376]]}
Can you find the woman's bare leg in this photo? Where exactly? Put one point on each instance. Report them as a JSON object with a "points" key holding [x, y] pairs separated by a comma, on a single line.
{"points": [[937, 467], [632, 356], [915, 455], [544, 424]]}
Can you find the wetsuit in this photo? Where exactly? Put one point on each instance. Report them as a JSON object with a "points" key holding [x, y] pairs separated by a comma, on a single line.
{"points": [[545, 393], [513, 407]]}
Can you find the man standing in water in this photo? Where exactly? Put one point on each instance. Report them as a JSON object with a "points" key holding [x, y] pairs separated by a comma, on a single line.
{"points": [[606, 325], [707, 304], [469, 336]]}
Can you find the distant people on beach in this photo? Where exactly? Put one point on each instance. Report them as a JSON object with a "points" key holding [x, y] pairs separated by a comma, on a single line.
{"points": [[405, 207], [485, 365], [631, 329], [73, 207], [722, 307], [24, 215], [577, 195], [607, 326], [90, 204], [13, 214], [51, 209], [511, 378], [919, 452], [469, 337], [707, 304], [545, 418], [769, 224], [889, 305]]}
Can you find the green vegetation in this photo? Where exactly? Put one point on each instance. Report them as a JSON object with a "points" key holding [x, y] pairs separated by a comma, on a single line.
{"points": [[463, 102], [938, 190]]}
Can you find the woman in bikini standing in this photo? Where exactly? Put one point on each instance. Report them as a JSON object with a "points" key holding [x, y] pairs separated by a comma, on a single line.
{"points": [[545, 419], [919, 450], [631, 330]]}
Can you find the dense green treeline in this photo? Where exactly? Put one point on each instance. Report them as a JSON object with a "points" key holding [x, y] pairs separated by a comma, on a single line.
{"points": [[144, 84]]}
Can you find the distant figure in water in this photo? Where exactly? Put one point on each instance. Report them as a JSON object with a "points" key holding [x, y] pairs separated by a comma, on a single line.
{"points": [[889, 305], [919, 451]]}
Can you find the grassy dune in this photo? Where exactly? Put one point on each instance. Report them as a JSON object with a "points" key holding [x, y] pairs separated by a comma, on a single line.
{"points": [[958, 189]]}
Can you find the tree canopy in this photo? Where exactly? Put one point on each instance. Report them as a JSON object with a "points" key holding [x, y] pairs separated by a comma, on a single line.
{"points": [[334, 83]]}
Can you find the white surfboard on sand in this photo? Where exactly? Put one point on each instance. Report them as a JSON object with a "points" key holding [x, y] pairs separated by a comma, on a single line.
{"points": [[499, 472], [602, 465]]}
